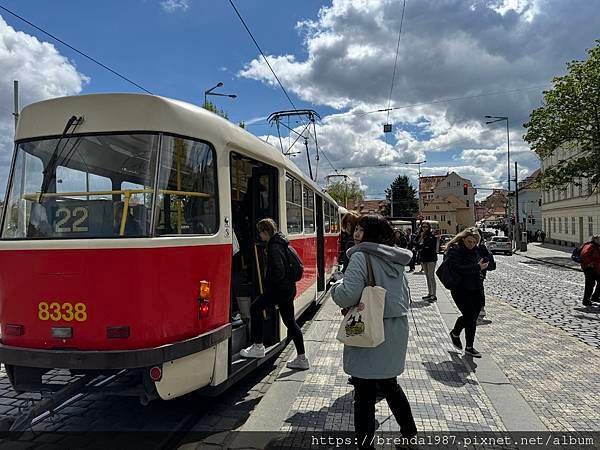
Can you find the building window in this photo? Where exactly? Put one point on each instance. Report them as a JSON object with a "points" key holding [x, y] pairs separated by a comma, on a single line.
{"points": [[437, 206], [580, 188], [573, 225], [560, 224], [553, 195], [572, 190], [590, 226], [545, 224], [448, 184], [467, 203], [293, 205], [553, 219], [443, 217], [589, 186], [458, 183], [435, 217]]}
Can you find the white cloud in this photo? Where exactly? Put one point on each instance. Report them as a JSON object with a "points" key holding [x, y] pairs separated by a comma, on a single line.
{"points": [[42, 73], [448, 50], [175, 5]]}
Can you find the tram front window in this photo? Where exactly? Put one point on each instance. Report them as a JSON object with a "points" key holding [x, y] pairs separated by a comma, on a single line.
{"points": [[82, 187]]}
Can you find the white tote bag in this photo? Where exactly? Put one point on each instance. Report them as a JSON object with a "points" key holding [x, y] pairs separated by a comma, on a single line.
{"points": [[363, 324]]}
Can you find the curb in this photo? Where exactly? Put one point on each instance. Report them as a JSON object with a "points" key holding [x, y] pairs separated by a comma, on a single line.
{"points": [[547, 262]]}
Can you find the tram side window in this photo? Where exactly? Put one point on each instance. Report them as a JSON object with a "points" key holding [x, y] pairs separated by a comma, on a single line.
{"points": [[187, 188], [309, 210], [335, 219], [293, 205], [327, 216]]}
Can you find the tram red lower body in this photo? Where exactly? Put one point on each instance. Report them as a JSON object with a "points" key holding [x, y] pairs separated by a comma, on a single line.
{"points": [[153, 291]]}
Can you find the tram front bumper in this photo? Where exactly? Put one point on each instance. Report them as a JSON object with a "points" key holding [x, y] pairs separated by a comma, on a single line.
{"points": [[111, 359]]}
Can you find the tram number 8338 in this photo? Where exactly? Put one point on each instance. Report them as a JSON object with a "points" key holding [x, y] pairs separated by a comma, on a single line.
{"points": [[62, 311]]}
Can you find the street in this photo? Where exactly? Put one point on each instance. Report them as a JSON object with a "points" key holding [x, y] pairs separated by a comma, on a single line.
{"points": [[548, 292]]}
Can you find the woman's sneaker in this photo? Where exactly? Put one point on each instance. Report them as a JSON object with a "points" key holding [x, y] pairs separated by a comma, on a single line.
{"points": [[254, 351], [300, 362], [456, 341], [432, 299], [471, 351]]}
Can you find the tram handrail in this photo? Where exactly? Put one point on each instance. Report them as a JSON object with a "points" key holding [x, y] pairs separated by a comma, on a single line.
{"points": [[36, 197], [127, 193]]}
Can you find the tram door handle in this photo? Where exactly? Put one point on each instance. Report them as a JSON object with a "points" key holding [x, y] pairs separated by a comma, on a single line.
{"points": [[259, 273]]}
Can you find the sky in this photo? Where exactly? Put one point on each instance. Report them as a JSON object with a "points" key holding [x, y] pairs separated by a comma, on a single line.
{"points": [[457, 61]]}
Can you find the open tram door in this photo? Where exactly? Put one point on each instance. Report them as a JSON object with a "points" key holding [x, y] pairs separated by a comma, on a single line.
{"points": [[254, 196]]}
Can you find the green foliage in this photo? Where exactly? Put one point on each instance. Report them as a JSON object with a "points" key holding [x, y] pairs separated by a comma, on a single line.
{"points": [[345, 190], [404, 197], [570, 119], [210, 106]]}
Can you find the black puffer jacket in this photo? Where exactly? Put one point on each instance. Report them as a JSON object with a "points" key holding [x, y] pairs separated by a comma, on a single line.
{"points": [[464, 262], [428, 248], [276, 278], [346, 243]]}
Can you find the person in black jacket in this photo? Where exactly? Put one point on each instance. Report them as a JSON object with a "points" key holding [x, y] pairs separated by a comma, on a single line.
{"points": [[484, 253], [426, 244], [349, 222], [278, 290], [410, 238], [465, 261]]}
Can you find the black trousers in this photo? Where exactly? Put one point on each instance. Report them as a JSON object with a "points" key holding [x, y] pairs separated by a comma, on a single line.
{"points": [[591, 278], [285, 301], [469, 302], [365, 396]]}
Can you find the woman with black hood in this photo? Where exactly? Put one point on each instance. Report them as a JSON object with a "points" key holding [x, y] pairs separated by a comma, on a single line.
{"points": [[279, 289]]}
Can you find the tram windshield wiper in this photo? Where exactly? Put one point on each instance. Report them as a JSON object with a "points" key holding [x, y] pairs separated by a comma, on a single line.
{"points": [[50, 168]]}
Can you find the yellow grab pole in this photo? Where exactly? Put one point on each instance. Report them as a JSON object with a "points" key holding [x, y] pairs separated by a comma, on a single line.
{"points": [[125, 212]]}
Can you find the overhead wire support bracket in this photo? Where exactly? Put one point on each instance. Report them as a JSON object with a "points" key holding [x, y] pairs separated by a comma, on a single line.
{"points": [[310, 114]]}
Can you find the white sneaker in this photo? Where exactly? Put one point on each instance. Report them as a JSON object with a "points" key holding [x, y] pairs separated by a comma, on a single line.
{"points": [[254, 351], [300, 362]]}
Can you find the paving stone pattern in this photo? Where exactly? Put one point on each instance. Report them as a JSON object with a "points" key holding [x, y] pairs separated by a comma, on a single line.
{"points": [[557, 374], [442, 389], [548, 292]]}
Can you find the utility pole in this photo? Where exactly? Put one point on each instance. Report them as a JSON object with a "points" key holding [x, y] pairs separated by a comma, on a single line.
{"points": [[16, 98], [517, 227]]}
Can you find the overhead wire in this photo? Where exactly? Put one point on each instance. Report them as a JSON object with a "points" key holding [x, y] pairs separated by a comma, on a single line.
{"points": [[396, 60], [275, 75], [76, 50]]}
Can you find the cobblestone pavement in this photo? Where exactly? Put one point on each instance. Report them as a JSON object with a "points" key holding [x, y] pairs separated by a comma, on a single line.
{"points": [[111, 419], [555, 373], [548, 292], [439, 382]]}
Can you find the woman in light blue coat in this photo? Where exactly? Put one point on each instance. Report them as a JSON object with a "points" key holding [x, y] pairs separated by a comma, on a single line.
{"points": [[378, 366]]}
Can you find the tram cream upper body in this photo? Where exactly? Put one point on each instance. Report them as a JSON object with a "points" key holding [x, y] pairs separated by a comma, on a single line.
{"points": [[118, 113]]}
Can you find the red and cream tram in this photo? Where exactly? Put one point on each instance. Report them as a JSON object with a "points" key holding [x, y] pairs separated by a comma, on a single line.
{"points": [[117, 242]]}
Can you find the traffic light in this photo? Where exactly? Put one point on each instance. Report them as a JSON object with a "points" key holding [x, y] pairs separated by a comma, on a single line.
{"points": [[465, 189], [532, 221]]}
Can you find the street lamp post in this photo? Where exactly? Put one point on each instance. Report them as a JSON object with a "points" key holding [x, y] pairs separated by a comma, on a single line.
{"points": [[210, 92], [499, 119]]}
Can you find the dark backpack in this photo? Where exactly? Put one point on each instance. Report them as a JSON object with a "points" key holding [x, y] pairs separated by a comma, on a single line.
{"points": [[295, 266], [576, 255]]}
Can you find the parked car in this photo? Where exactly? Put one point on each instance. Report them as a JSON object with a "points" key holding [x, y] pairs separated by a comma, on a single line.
{"points": [[443, 240], [499, 244], [487, 235]]}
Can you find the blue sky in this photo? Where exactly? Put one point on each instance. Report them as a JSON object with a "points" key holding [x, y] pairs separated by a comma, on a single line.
{"points": [[335, 56]]}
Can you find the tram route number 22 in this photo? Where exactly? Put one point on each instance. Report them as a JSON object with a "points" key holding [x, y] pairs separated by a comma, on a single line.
{"points": [[62, 311]]}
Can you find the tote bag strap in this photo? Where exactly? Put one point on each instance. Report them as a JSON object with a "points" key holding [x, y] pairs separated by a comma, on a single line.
{"points": [[371, 277]]}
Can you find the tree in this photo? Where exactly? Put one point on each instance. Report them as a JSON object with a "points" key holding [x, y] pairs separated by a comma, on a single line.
{"points": [[570, 119], [210, 106], [344, 191], [405, 203]]}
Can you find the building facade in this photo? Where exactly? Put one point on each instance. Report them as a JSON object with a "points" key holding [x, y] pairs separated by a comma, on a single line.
{"points": [[442, 198], [570, 216], [530, 200]]}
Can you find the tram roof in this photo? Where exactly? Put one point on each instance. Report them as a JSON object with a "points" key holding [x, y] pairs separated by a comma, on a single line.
{"points": [[123, 112]]}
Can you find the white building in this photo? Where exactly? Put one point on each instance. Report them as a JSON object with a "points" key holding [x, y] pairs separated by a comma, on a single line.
{"points": [[530, 200], [572, 215]]}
